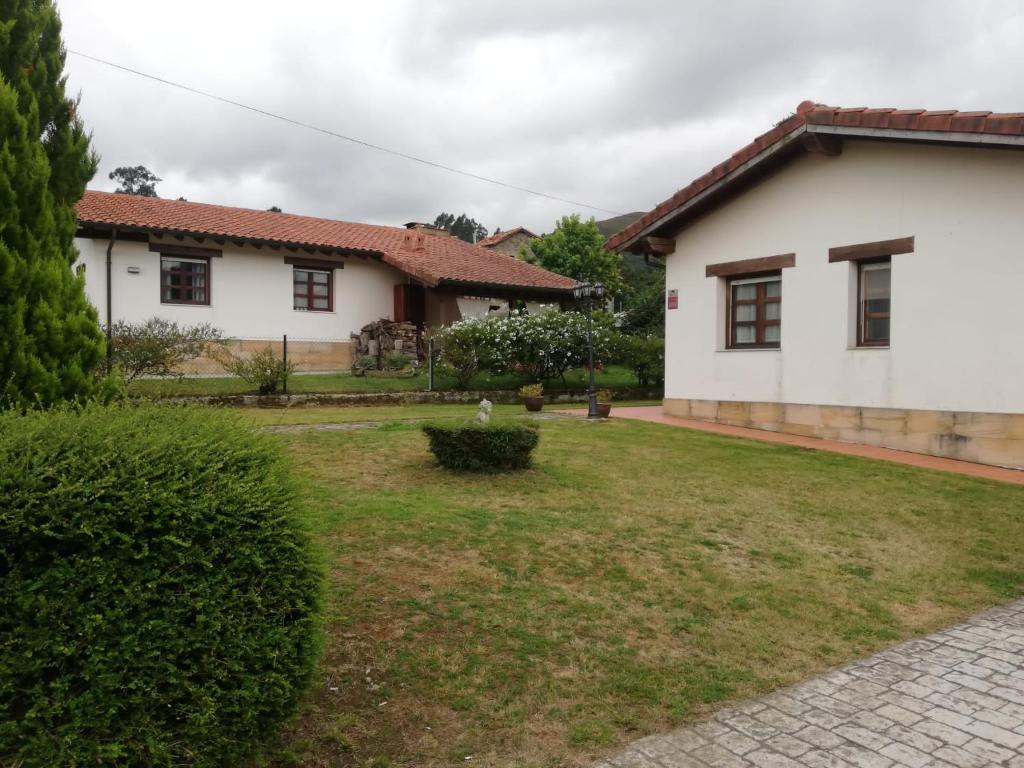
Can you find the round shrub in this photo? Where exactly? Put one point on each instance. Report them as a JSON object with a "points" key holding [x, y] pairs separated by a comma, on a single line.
{"points": [[482, 447], [158, 599]]}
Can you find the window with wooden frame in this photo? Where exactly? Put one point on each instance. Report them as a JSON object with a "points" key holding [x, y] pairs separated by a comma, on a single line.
{"points": [[874, 297], [313, 289], [754, 312], [184, 280]]}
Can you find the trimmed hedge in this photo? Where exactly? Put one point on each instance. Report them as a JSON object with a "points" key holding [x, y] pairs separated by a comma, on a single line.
{"points": [[482, 447], [158, 599]]}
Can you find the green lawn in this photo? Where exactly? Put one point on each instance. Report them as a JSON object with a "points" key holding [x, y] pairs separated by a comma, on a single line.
{"points": [[611, 377], [638, 577]]}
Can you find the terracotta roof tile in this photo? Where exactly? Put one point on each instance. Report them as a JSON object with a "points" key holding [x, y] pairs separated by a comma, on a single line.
{"points": [[430, 258], [810, 113], [501, 237]]}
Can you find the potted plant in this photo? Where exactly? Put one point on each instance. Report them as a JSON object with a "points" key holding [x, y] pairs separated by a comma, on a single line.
{"points": [[604, 403], [533, 396]]}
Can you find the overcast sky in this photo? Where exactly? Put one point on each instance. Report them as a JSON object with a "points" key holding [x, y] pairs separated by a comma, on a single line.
{"points": [[614, 104]]}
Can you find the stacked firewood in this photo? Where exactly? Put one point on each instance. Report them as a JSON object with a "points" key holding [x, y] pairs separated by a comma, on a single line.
{"points": [[380, 338]]}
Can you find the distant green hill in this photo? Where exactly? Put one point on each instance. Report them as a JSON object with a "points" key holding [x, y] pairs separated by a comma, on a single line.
{"points": [[615, 224]]}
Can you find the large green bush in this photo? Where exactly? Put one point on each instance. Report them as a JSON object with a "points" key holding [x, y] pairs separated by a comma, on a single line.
{"points": [[482, 447], [542, 345], [158, 347], [158, 601]]}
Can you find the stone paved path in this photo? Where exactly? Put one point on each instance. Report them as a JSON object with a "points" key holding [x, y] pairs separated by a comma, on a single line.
{"points": [[955, 698]]}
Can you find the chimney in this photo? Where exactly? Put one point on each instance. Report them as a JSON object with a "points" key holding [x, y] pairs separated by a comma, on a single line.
{"points": [[414, 241]]}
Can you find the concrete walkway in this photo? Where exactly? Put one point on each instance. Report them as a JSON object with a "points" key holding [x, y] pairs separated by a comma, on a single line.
{"points": [[654, 414], [954, 699]]}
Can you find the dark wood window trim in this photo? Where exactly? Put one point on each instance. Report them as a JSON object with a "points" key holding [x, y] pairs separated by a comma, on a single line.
{"points": [[300, 262], [863, 316], [751, 267], [308, 293], [207, 274], [875, 250], [188, 251], [760, 303]]}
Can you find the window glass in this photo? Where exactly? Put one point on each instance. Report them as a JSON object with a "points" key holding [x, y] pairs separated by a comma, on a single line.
{"points": [[755, 312], [875, 303], [878, 328], [746, 312], [312, 290], [184, 281], [746, 292]]}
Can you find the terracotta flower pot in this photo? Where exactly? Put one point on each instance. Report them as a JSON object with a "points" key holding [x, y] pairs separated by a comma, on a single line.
{"points": [[603, 409], [533, 404]]}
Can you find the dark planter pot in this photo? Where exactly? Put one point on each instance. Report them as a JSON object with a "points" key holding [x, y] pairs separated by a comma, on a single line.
{"points": [[533, 404], [603, 409]]}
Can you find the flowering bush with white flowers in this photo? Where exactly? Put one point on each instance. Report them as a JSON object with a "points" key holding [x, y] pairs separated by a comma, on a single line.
{"points": [[542, 346]]}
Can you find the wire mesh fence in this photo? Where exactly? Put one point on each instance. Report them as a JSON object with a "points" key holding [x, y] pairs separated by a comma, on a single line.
{"points": [[304, 354]]}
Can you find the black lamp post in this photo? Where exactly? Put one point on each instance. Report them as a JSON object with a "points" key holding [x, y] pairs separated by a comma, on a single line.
{"points": [[590, 292]]}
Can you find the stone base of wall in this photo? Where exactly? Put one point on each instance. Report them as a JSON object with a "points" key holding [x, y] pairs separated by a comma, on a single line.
{"points": [[986, 438], [307, 356]]}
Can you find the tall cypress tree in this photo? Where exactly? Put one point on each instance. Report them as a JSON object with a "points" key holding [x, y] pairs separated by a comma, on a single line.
{"points": [[50, 339]]}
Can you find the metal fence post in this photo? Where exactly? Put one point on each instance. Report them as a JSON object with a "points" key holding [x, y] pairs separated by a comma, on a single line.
{"points": [[284, 358], [430, 365]]}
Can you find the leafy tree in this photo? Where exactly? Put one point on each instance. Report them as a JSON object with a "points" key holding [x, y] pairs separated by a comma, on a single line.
{"points": [[643, 301], [461, 226], [576, 249], [135, 180], [273, 209], [644, 355], [50, 340]]}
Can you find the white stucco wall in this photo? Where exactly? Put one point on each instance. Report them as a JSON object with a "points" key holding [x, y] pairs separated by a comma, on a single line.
{"points": [[250, 296], [956, 330]]}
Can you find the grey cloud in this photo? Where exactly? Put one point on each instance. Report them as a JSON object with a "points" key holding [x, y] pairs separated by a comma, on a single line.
{"points": [[616, 104]]}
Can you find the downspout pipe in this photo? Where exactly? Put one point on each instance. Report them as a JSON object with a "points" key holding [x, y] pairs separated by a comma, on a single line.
{"points": [[110, 297]]}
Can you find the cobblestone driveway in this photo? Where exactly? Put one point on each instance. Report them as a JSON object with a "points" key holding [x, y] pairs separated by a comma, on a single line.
{"points": [[955, 698]]}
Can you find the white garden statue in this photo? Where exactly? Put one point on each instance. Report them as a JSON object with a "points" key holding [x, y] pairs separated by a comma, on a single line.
{"points": [[483, 416]]}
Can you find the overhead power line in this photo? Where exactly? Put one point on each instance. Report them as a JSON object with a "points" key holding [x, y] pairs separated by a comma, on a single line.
{"points": [[336, 135]]}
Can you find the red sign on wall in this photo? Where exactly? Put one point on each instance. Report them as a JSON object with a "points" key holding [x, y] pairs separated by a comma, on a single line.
{"points": [[673, 299]]}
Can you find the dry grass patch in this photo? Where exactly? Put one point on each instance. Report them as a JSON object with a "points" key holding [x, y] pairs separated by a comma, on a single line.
{"points": [[637, 577]]}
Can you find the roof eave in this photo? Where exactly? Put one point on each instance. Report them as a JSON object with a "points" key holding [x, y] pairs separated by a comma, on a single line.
{"points": [[918, 136], [715, 188], [507, 288]]}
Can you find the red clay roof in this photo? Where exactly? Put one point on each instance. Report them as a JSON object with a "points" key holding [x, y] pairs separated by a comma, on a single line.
{"points": [[430, 258], [809, 113], [501, 237]]}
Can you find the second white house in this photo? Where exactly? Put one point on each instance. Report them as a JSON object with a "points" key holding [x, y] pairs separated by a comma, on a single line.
{"points": [[853, 274]]}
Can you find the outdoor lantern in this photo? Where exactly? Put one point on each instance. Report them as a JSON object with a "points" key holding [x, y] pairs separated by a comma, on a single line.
{"points": [[588, 291]]}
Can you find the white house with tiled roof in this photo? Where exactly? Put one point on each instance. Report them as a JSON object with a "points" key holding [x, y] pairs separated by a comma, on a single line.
{"points": [[260, 275], [853, 274]]}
